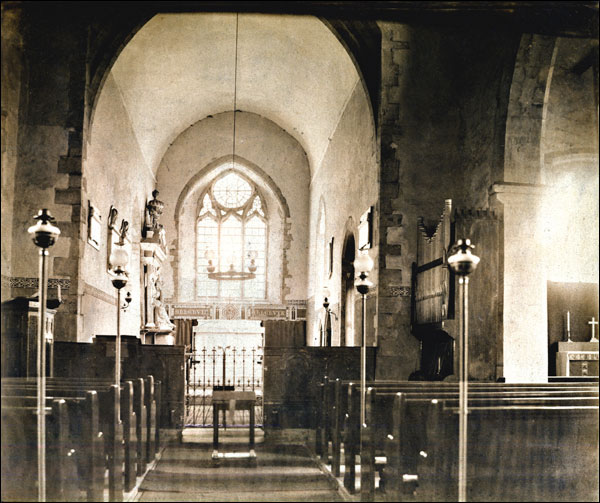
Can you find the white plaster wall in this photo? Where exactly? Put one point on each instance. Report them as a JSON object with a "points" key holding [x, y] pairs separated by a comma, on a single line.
{"points": [[348, 183], [550, 230], [569, 153], [181, 67], [115, 174], [261, 143]]}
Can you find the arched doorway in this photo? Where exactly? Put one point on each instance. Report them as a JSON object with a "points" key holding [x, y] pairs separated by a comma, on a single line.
{"points": [[347, 293]]}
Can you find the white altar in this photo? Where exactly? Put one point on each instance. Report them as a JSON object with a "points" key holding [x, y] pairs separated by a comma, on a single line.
{"points": [[237, 334]]}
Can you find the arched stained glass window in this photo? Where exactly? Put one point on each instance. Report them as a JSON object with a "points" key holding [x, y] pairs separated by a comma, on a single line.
{"points": [[231, 229]]}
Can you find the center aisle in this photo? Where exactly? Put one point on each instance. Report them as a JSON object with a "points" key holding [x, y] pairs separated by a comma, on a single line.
{"points": [[186, 472]]}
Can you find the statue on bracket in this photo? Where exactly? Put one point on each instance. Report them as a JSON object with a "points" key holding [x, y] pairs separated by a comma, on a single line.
{"points": [[153, 229], [154, 209], [161, 317]]}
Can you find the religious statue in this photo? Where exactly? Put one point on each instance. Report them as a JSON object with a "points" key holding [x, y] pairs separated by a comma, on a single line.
{"points": [[154, 209], [162, 237], [161, 317]]}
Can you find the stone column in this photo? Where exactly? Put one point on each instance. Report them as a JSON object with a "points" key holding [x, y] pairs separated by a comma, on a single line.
{"points": [[525, 317]]}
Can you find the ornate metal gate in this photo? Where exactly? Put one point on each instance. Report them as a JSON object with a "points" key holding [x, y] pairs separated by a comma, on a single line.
{"points": [[221, 368]]}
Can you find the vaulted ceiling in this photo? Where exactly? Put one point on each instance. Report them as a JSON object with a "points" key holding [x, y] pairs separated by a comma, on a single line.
{"points": [[180, 68]]}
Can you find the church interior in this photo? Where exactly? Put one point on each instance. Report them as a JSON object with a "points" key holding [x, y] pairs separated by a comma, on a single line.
{"points": [[283, 251]]}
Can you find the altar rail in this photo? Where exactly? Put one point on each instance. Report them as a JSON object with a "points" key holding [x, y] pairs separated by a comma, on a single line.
{"points": [[217, 368]]}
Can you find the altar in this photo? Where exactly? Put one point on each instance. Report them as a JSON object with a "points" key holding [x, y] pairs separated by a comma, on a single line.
{"points": [[228, 333], [577, 359]]}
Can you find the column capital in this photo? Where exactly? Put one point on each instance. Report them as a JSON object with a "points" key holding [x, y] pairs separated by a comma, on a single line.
{"points": [[509, 191]]}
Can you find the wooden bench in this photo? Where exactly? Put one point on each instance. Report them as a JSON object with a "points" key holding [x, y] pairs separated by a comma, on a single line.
{"points": [[151, 393], [515, 453], [143, 432], [85, 440], [344, 415], [109, 396], [19, 454], [333, 395], [402, 439]]}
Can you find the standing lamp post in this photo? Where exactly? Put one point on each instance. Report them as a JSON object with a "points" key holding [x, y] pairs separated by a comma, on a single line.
{"points": [[463, 262], [118, 261], [363, 264], [44, 235], [327, 324]]}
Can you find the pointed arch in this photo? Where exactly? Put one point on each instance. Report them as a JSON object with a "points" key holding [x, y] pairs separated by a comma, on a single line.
{"points": [[238, 223]]}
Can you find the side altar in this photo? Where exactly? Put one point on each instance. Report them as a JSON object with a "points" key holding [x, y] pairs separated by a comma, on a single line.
{"points": [[577, 359]]}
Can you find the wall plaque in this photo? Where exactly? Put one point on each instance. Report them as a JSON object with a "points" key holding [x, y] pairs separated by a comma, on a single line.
{"points": [[365, 230], [94, 226]]}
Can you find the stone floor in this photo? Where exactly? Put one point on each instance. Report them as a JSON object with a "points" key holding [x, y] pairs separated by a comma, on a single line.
{"points": [[186, 472]]}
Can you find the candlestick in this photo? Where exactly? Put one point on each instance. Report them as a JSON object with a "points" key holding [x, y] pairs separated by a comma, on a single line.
{"points": [[569, 326]]}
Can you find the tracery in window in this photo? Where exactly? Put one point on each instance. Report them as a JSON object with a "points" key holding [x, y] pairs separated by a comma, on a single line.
{"points": [[231, 191], [231, 230]]}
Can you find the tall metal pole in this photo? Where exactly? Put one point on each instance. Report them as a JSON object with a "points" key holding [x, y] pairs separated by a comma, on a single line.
{"points": [[118, 341], [463, 390], [463, 263], [118, 260], [363, 264], [44, 235], [41, 378], [363, 362]]}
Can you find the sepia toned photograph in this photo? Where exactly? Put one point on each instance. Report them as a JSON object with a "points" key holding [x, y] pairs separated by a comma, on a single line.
{"points": [[300, 251]]}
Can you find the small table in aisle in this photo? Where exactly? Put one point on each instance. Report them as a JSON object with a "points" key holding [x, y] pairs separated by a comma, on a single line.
{"points": [[232, 400]]}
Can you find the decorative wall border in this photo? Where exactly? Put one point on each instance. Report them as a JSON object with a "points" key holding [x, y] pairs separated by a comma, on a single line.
{"points": [[296, 302], [238, 311], [399, 291], [24, 282]]}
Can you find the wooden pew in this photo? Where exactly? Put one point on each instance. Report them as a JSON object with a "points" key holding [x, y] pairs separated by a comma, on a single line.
{"points": [[143, 428], [151, 409], [133, 414], [406, 436], [150, 403], [143, 433], [85, 440], [540, 453], [326, 417], [111, 424], [19, 454], [346, 423], [330, 418], [142, 425]]}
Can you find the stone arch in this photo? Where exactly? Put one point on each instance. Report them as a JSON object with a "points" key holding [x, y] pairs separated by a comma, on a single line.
{"points": [[347, 296], [360, 39], [531, 76], [206, 171], [255, 174], [319, 280]]}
